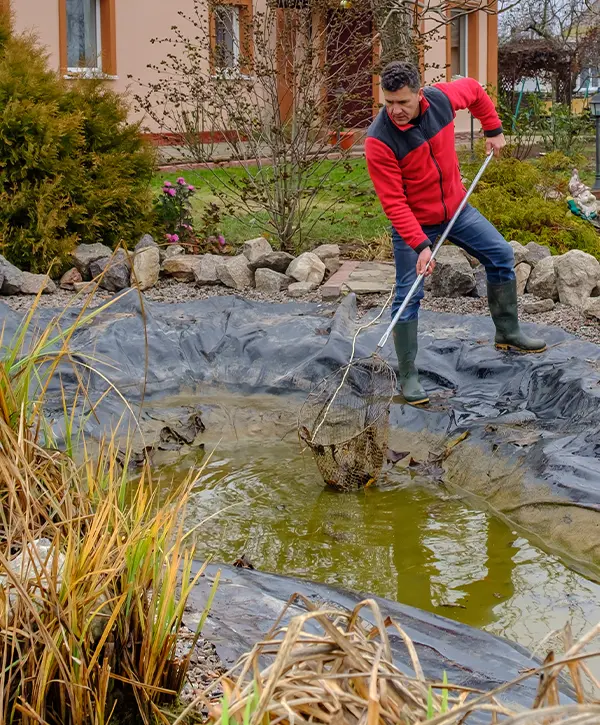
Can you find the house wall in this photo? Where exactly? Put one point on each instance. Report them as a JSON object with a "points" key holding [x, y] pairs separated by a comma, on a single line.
{"points": [[481, 59], [137, 22], [41, 18]]}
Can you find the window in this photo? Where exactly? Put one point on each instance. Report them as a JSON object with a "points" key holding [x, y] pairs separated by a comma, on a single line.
{"points": [[227, 36], [87, 36], [84, 49], [458, 43], [590, 77]]}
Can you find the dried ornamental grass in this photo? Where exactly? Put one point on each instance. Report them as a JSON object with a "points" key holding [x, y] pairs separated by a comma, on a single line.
{"points": [[95, 571], [341, 672]]}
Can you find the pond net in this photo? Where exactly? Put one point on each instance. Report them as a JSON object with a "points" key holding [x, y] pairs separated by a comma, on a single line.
{"points": [[345, 423]]}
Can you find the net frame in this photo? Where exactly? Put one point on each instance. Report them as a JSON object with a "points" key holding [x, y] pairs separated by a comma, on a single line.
{"points": [[306, 433], [345, 423]]}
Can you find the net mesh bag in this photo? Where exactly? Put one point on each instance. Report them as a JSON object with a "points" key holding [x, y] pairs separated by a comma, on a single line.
{"points": [[345, 423]]}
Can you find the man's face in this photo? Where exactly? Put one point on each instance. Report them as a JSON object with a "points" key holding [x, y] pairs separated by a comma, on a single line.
{"points": [[403, 104]]}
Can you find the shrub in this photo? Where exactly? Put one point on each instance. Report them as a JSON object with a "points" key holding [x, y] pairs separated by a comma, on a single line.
{"points": [[567, 131], [558, 162], [116, 167], [174, 211], [175, 219], [71, 168], [510, 196]]}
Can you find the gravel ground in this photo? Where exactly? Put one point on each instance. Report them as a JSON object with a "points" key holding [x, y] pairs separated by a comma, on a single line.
{"points": [[171, 291], [205, 666]]}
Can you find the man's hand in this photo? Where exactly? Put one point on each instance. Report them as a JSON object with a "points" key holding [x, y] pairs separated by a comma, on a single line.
{"points": [[424, 257], [497, 143]]}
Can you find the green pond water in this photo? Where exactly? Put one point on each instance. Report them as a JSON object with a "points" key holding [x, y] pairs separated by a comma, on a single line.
{"points": [[407, 539]]}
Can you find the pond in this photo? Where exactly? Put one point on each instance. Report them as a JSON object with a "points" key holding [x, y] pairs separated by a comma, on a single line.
{"points": [[408, 539]]}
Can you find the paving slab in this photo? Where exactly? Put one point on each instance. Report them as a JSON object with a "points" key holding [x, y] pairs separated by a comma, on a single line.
{"points": [[361, 278]]}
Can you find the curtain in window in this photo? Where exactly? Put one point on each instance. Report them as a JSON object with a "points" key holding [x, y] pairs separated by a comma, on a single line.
{"points": [[227, 30], [82, 34]]}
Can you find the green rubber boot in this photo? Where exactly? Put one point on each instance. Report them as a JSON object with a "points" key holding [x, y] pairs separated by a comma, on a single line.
{"points": [[502, 301], [405, 342]]}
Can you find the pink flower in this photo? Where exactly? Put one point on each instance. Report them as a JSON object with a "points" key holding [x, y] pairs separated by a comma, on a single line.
{"points": [[171, 192], [167, 183], [174, 237], [181, 180], [191, 188], [222, 240]]}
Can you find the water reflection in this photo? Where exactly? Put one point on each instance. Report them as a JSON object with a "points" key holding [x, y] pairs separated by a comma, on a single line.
{"points": [[406, 540]]}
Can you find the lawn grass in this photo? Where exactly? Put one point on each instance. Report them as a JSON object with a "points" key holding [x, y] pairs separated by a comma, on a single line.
{"points": [[346, 210]]}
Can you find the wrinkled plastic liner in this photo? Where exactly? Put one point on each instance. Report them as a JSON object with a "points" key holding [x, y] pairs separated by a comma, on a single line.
{"points": [[533, 421]]}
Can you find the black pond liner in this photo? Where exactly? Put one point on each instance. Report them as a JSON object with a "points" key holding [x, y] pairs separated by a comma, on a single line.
{"points": [[533, 449], [533, 420]]}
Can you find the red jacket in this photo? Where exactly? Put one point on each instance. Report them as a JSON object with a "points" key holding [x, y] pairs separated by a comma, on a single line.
{"points": [[414, 168]]}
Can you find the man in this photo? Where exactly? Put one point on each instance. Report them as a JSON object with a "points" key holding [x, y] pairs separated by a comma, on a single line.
{"points": [[414, 168]]}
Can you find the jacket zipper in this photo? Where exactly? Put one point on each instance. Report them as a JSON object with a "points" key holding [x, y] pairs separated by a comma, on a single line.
{"points": [[441, 184]]}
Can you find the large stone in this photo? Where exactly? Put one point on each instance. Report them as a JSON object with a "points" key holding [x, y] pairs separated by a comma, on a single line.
{"points": [[480, 289], [577, 274], [146, 241], [254, 249], [299, 289], [83, 286], [327, 251], [32, 284], [542, 281], [11, 276], [269, 281], [534, 253], [70, 277], [452, 276], [205, 272], [328, 293], [115, 273], [118, 257], [536, 307], [182, 267], [31, 567], [329, 254], [171, 250], [332, 264], [519, 251], [522, 272], [307, 268], [146, 263], [592, 308], [235, 272], [85, 254], [473, 261], [277, 261]]}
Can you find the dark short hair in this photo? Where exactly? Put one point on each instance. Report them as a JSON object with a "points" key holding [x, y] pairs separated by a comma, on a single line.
{"points": [[398, 74]]}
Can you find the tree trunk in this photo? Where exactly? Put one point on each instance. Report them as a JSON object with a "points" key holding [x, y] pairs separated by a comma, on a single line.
{"points": [[394, 21]]}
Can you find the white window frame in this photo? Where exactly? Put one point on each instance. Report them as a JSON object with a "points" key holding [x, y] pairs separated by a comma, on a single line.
{"points": [[97, 69], [235, 25], [463, 45]]}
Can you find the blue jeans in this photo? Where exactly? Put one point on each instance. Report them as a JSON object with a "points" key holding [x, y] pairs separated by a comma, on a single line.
{"points": [[473, 233]]}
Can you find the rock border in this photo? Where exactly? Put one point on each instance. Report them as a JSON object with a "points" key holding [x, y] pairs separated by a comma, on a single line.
{"points": [[572, 279]]}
